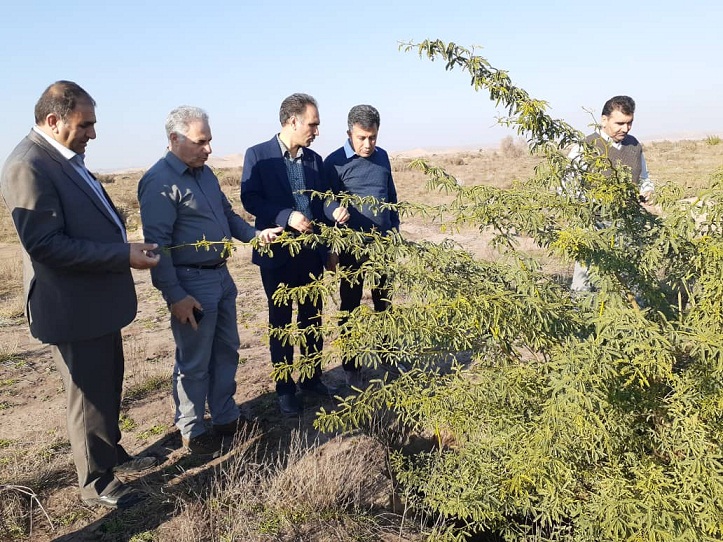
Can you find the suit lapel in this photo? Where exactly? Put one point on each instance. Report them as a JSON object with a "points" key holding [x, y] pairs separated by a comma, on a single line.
{"points": [[279, 165], [70, 172]]}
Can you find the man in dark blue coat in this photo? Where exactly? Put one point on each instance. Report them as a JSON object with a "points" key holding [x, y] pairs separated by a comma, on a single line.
{"points": [[278, 176]]}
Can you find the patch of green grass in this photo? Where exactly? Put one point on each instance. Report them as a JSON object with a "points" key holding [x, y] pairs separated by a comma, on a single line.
{"points": [[5, 442], [126, 423], [72, 517], [54, 449], [146, 388], [4, 405], [153, 431], [713, 140], [8, 382], [11, 358]]}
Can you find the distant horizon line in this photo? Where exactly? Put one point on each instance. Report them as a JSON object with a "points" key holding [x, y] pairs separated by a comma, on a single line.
{"points": [[236, 160]]}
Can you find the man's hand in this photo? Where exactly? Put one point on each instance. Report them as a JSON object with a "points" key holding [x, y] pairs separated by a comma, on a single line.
{"points": [[269, 235], [341, 215], [299, 222], [646, 197], [183, 311], [142, 256]]}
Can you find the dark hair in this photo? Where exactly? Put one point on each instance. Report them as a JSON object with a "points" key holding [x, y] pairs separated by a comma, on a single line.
{"points": [[624, 104], [295, 105], [365, 116], [61, 98]]}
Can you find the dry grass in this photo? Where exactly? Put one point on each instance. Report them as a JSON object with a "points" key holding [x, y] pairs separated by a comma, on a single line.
{"points": [[306, 491], [145, 373], [12, 300], [689, 164], [29, 473]]}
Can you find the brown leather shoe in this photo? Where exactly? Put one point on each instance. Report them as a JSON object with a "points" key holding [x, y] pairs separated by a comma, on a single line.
{"points": [[203, 444], [231, 428]]}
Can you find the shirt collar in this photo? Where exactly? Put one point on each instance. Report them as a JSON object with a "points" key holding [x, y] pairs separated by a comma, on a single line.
{"points": [[178, 165], [349, 150], [609, 141], [64, 151], [285, 150]]}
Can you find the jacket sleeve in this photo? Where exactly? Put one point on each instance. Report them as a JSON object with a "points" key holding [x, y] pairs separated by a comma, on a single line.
{"points": [[158, 215]]}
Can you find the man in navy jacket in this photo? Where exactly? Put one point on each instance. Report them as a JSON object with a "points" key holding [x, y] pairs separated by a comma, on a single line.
{"points": [[278, 176], [362, 169]]}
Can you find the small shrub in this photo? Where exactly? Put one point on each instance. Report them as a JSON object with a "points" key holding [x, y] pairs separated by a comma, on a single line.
{"points": [[511, 148], [712, 140]]}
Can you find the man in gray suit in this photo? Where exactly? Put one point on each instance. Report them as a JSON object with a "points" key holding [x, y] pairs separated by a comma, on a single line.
{"points": [[78, 284]]}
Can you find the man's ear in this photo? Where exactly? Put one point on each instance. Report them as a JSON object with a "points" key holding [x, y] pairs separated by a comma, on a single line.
{"points": [[52, 121]]}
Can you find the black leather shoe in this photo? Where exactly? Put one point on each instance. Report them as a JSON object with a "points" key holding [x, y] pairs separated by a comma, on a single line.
{"points": [[290, 405], [122, 496], [319, 388], [136, 464], [203, 444]]}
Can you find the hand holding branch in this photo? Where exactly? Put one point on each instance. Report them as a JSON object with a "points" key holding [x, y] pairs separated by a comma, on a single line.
{"points": [[269, 235], [142, 255]]}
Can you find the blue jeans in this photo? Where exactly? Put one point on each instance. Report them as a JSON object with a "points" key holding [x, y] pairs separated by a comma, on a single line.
{"points": [[206, 359]]}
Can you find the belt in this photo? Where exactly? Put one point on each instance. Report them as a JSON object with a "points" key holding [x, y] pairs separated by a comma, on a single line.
{"points": [[203, 266]]}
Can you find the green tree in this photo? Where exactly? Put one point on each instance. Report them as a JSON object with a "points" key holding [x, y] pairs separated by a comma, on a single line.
{"points": [[586, 418]]}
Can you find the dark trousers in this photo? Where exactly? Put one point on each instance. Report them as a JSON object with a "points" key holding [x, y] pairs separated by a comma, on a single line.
{"points": [[351, 294], [297, 272], [92, 373]]}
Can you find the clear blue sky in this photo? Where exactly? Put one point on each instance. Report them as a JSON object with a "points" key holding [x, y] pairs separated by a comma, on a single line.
{"points": [[238, 60]]}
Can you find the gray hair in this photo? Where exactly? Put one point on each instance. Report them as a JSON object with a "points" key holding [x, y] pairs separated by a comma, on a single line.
{"points": [[366, 116], [181, 117], [295, 105]]}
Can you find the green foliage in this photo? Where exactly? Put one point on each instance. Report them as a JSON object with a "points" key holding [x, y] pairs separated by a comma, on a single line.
{"points": [[565, 418], [555, 417], [712, 140]]}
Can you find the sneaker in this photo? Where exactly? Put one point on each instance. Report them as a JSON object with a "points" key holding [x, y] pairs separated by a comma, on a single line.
{"points": [[135, 464], [290, 405], [354, 380], [203, 444], [317, 387], [231, 428]]}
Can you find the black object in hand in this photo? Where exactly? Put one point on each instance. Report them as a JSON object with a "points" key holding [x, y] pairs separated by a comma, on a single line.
{"points": [[197, 314]]}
